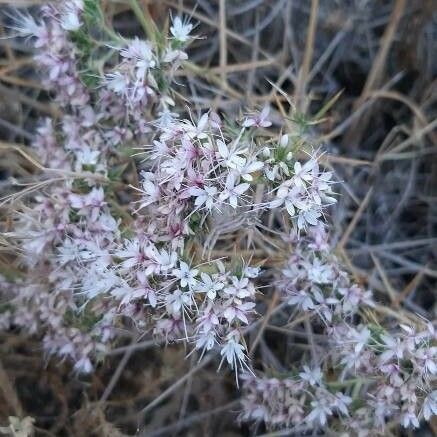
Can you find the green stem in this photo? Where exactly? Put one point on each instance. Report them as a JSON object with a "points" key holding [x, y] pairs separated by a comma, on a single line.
{"points": [[145, 20]]}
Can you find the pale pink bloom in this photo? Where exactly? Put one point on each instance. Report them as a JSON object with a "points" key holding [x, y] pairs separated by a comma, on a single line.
{"points": [[238, 310], [259, 120]]}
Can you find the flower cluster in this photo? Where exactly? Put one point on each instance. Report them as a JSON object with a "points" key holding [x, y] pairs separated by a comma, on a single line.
{"points": [[400, 369], [314, 281], [386, 375], [126, 231], [96, 262], [291, 402], [70, 232]]}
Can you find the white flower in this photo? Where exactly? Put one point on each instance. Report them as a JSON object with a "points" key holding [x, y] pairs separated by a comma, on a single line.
{"points": [[312, 376], [303, 300], [178, 300], [341, 402], [166, 260], [98, 280], [305, 173], [209, 286], [203, 195], [86, 156], [117, 82], [430, 405], [240, 288], [360, 338], [321, 409], [231, 155], [428, 357], [310, 216], [83, 365], [409, 418], [206, 341], [318, 272], [151, 190], [233, 352], [186, 275], [70, 18], [232, 191], [250, 167], [394, 348], [131, 254], [181, 29]]}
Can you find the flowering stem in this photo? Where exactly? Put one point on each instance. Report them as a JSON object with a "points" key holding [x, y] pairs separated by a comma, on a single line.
{"points": [[348, 382]]}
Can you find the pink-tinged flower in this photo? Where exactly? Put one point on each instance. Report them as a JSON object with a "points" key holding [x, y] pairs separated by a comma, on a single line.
{"points": [[259, 120], [141, 54], [392, 370], [90, 204], [175, 57], [238, 310], [232, 191]]}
